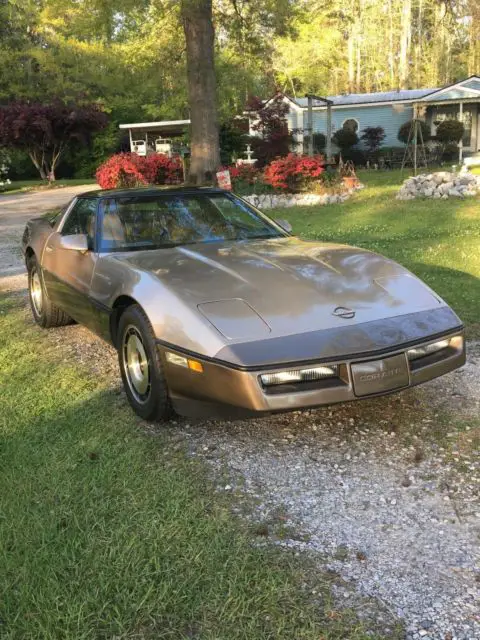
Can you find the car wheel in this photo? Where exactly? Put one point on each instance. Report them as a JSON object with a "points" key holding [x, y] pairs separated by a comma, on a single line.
{"points": [[141, 367], [44, 312]]}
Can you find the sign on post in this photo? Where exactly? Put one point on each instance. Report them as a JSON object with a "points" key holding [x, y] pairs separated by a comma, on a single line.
{"points": [[224, 181]]}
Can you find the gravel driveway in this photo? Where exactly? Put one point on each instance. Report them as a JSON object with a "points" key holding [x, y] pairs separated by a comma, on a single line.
{"points": [[15, 210], [383, 495]]}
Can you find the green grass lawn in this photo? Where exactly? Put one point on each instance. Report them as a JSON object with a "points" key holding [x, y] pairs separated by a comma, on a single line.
{"points": [[107, 531], [18, 186], [439, 240]]}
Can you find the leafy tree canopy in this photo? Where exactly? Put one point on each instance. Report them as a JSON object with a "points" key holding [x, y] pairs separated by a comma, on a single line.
{"points": [[272, 139], [129, 55], [406, 132], [372, 137], [46, 131], [345, 139]]}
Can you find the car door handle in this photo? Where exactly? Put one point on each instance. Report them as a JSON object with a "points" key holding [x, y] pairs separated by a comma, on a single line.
{"points": [[48, 249]]}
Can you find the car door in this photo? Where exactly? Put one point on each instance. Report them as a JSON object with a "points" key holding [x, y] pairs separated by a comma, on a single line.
{"points": [[68, 273]]}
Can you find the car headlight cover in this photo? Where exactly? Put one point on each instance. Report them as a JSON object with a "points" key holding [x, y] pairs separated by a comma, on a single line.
{"points": [[181, 361], [433, 347], [299, 375]]}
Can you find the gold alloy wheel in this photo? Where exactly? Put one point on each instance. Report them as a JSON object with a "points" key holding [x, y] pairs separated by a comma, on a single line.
{"points": [[136, 364], [36, 292]]}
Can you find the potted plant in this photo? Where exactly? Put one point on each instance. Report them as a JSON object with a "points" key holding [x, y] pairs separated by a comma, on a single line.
{"points": [[347, 173]]}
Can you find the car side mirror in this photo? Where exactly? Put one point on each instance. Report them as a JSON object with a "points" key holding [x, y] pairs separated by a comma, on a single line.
{"points": [[286, 226], [75, 242]]}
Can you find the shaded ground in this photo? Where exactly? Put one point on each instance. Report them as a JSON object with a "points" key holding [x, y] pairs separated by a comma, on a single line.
{"points": [[384, 494]]}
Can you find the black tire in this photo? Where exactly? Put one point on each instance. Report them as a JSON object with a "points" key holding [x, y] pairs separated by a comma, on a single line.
{"points": [[141, 367], [44, 312]]}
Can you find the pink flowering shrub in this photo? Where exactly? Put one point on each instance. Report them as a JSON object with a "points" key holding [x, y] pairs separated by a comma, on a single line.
{"points": [[125, 170], [121, 170], [160, 169], [247, 173], [294, 173]]}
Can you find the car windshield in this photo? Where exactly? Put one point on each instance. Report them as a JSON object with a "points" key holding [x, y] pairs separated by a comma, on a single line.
{"points": [[159, 221]]}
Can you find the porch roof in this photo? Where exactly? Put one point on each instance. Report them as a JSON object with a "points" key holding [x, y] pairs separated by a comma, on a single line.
{"points": [[465, 91], [170, 127], [367, 99]]}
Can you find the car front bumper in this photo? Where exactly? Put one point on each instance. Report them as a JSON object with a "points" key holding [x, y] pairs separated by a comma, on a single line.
{"points": [[222, 390]]}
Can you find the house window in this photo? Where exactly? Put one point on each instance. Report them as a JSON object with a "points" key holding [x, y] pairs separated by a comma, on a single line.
{"points": [[351, 124]]}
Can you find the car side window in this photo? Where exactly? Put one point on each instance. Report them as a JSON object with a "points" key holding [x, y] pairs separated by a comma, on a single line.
{"points": [[81, 219]]}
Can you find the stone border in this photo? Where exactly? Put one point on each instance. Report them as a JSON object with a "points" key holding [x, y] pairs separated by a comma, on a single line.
{"points": [[284, 200]]}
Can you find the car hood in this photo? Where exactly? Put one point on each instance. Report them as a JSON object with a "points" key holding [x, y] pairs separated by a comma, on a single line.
{"points": [[255, 289]]}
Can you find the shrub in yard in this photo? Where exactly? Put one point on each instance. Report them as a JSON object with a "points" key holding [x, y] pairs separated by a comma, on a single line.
{"points": [[294, 173], [122, 170], [404, 131], [330, 179], [449, 151], [450, 131], [357, 156], [247, 173], [372, 138], [125, 170], [345, 139], [247, 179], [160, 169], [319, 142]]}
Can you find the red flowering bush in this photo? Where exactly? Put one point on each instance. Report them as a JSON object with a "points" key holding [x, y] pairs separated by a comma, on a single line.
{"points": [[121, 170], [246, 173], [160, 169], [125, 170], [247, 179], [294, 173]]}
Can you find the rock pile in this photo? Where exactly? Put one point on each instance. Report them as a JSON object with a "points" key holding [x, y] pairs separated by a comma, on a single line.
{"points": [[442, 184], [280, 200]]}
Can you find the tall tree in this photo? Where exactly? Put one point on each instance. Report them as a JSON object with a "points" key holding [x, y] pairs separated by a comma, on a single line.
{"points": [[405, 43], [199, 36]]}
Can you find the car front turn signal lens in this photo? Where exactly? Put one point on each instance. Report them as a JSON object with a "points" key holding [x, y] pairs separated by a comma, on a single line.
{"points": [[194, 365]]}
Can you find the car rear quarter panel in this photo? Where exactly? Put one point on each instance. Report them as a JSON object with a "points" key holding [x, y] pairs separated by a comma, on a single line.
{"points": [[35, 235]]}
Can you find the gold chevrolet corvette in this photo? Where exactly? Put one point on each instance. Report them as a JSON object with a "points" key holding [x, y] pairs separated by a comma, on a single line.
{"points": [[217, 311]]}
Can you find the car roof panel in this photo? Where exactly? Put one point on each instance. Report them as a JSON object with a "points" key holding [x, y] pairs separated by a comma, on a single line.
{"points": [[149, 191]]}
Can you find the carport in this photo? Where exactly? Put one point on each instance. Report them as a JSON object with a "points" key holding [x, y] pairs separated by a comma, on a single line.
{"points": [[155, 137]]}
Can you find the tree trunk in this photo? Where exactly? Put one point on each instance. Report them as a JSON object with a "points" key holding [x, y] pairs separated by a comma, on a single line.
{"points": [[351, 62], [199, 36], [358, 82], [405, 43], [474, 38], [38, 165], [391, 66]]}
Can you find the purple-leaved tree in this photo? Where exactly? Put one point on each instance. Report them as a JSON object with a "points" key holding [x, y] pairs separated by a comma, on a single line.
{"points": [[273, 139], [45, 131]]}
